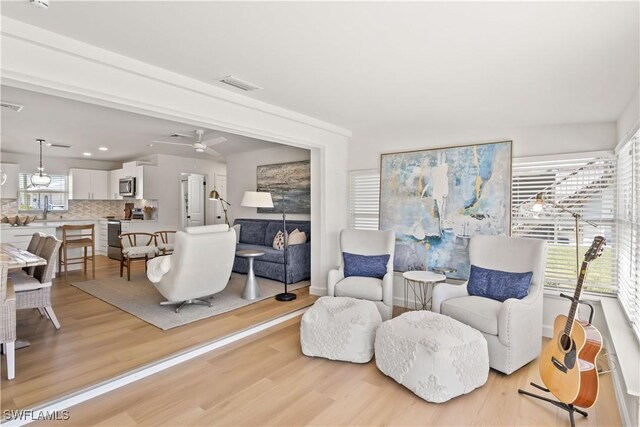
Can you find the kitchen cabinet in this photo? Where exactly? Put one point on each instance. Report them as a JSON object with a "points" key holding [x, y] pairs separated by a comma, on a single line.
{"points": [[88, 184], [9, 189], [102, 240], [21, 236]]}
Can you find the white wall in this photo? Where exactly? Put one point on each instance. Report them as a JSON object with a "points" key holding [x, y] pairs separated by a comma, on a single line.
{"points": [[365, 150], [55, 165], [629, 120], [162, 183], [241, 177], [112, 80]]}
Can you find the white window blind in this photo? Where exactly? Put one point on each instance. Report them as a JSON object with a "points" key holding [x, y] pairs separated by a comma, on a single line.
{"points": [[583, 183], [364, 199], [628, 221], [32, 199]]}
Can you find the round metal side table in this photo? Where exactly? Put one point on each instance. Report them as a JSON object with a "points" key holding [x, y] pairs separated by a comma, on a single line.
{"points": [[421, 283], [251, 289]]}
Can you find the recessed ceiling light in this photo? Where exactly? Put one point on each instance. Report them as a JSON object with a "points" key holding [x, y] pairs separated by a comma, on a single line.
{"points": [[103, 148], [86, 154]]}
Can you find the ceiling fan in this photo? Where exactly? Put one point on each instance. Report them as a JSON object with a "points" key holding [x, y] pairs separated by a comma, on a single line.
{"points": [[200, 145]]}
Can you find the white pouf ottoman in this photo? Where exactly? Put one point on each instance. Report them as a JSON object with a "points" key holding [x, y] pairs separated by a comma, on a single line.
{"points": [[434, 356], [340, 328]]}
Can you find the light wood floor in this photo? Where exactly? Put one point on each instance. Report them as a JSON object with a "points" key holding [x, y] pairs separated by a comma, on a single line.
{"points": [[98, 341], [265, 380]]}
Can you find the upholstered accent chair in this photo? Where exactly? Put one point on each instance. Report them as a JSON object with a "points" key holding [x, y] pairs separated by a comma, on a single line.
{"points": [[199, 267], [380, 291], [513, 328], [35, 291]]}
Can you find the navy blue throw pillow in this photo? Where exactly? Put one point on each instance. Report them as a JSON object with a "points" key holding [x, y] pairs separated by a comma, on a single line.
{"points": [[365, 265], [498, 285]]}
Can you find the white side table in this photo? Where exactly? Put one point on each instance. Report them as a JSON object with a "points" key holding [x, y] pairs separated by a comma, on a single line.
{"points": [[421, 283]]}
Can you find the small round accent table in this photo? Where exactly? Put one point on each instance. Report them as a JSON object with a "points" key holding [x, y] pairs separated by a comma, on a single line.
{"points": [[444, 270], [251, 289], [421, 283]]}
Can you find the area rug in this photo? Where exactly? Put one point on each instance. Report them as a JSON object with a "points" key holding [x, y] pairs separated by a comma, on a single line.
{"points": [[140, 298]]}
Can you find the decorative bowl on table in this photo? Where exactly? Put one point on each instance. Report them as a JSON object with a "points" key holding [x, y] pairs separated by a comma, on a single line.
{"points": [[15, 220]]}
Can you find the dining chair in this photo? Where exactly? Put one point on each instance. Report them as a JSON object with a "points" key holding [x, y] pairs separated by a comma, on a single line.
{"points": [[35, 292], [166, 241], [136, 247], [8, 322], [35, 246]]}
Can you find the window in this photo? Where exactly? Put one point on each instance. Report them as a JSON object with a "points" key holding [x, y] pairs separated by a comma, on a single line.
{"points": [[32, 199], [364, 199], [583, 183], [628, 221]]}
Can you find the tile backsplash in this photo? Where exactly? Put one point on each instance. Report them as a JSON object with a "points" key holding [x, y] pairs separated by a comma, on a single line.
{"points": [[82, 209]]}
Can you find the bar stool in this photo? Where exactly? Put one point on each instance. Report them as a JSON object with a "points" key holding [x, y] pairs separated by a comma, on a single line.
{"points": [[77, 236]]}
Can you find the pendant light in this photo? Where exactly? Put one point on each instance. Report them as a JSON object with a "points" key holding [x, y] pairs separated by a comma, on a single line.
{"points": [[40, 179]]}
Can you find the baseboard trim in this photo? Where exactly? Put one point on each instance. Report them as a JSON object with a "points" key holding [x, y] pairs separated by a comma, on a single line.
{"points": [[57, 406]]}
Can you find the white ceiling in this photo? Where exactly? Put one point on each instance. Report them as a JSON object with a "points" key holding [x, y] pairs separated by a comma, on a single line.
{"points": [[87, 126], [385, 65]]}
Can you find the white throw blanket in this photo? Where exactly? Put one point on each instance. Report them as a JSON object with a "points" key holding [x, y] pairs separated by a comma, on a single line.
{"points": [[158, 267]]}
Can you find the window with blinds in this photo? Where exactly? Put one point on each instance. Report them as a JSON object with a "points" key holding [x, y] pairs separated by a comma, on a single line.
{"points": [[32, 199], [364, 199], [584, 184], [628, 222]]}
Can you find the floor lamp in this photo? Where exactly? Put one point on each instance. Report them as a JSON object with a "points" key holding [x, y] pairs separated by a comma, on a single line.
{"points": [[262, 199], [538, 206], [214, 195]]}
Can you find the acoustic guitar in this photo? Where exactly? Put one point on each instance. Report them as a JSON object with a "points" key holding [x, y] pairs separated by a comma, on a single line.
{"points": [[568, 361]]}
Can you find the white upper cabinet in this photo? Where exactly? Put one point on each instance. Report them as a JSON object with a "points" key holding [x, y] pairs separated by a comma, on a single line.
{"points": [[87, 184], [9, 189]]}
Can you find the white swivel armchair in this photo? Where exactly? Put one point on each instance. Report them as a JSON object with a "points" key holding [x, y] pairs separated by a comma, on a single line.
{"points": [[513, 328], [380, 291], [199, 267]]}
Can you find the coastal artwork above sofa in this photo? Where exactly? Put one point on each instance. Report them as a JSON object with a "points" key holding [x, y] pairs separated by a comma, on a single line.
{"points": [[435, 200], [293, 180]]}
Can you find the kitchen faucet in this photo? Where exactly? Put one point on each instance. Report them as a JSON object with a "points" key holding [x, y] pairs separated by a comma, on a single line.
{"points": [[46, 207]]}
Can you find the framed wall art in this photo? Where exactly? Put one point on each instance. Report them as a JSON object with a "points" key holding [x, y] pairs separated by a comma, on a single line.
{"points": [[435, 200]]}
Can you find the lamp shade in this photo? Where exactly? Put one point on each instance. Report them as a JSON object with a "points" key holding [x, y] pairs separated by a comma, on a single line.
{"points": [[214, 195], [257, 199]]}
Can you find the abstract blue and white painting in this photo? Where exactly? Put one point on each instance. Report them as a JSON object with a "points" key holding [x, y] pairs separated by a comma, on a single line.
{"points": [[435, 200]]}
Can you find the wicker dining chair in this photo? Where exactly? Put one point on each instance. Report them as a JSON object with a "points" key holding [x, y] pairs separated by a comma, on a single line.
{"points": [[35, 292], [136, 247], [8, 322]]}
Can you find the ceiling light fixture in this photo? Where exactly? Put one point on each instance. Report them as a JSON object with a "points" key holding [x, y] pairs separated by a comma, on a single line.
{"points": [[11, 106], [40, 179], [44, 4], [239, 83], [103, 148], [86, 154]]}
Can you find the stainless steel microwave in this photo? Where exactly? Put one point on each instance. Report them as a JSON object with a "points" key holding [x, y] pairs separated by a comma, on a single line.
{"points": [[127, 187]]}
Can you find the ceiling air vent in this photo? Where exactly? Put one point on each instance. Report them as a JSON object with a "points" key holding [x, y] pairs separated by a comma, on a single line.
{"points": [[15, 107], [238, 83]]}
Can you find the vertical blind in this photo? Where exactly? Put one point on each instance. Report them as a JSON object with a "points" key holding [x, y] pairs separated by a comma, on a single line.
{"points": [[31, 198], [584, 184], [628, 219], [364, 199]]}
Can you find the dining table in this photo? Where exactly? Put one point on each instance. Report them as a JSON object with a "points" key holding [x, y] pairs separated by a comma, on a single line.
{"points": [[15, 258]]}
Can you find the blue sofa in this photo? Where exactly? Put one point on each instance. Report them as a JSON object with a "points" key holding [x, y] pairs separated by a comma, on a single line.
{"points": [[258, 234]]}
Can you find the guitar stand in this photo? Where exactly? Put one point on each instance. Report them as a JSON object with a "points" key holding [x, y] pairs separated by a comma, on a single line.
{"points": [[565, 406]]}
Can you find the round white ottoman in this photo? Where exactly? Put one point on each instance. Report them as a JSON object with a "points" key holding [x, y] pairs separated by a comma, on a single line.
{"points": [[340, 328], [434, 356]]}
